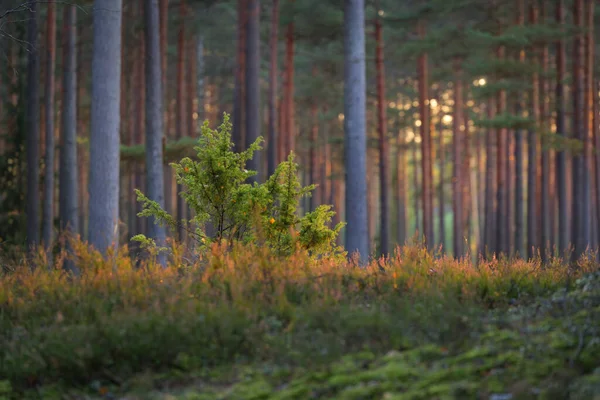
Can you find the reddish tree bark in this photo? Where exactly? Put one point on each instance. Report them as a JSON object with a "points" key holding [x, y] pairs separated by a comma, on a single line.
{"points": [[383, 141], [426, 159]]}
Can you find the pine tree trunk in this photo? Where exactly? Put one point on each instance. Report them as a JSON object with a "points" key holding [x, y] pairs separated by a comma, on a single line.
{"points": [[272, 144], [238, 134], [519, 146], [104, 143], [561, 154], [588, 120], [596, 135], [68, 190], [532, 153], [192, 101], [180, 122], [312, 153], [502, 193], [32, 206], [489, 239], [383, 141], [288, 96], [154, 119], [357, 235], [441, 189], [163, 17], [426, 159], [252, 99], [581, 207], [457, 155], [546, 212], [48, 221], [199, 82], [416, 184], [401, 190], [140, 116]]}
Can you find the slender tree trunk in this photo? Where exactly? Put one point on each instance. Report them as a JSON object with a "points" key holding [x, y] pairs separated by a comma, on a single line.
{"points": [[312, 153], [192, 101], [441, 188], [355, 154], [416, 182], [163, 9], [48, 222], [532, 154], [238, 133], [546, 213], [401, 190], [140, 116], [252, 105], [288, 96], [561, 154], [519, 145], [581, 206], [596, 133], [180, 122], [272, 144], [426, 159], [154, 118], [502, 193], [32, 207], [457, 156], [589, 120], [68, 202], [383, 141], [489, 240], [104, 143], [199, 82]]}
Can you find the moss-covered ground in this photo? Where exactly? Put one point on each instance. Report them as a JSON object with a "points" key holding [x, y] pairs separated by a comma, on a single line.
{"points": [[247, 325]]}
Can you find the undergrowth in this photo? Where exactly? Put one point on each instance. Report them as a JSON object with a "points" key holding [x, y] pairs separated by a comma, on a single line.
{"points": [[246, 323]]}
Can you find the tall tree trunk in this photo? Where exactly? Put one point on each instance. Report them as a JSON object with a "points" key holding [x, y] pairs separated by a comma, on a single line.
{"points": [[489, 239], [163, 9], [355, 154], [383, 140], [48, 221], [140, 116], [238, 134], [180, 122], [589, 120], [416, 184], [457, 156], [502, 202], [68, 178], [199, 82], [104, 143], [426, 159], [546, 212], [532, 152], [561, 154], [401, 190], [581, 205], [272, 144], [154, 119], [252, 98], [519, 145], [596, 133], [192, 101], [32, 207], [441, 189], [288, 96]]}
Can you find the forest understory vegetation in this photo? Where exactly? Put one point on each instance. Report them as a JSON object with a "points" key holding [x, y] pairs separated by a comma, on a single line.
{"points": [[244, 322], [265, 305]]}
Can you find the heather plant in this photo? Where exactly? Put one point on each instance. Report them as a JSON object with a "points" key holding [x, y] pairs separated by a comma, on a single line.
{"points": [[217, 188]]}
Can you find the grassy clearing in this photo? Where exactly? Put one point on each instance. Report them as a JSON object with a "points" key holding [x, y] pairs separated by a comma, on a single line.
{"points": [[248, 325]]}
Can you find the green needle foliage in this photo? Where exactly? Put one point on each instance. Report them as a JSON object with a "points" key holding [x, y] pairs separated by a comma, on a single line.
{"points": [[216, 188]]}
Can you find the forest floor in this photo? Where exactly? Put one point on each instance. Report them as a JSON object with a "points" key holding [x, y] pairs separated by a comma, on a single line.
{"points": [[247, 325]]}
